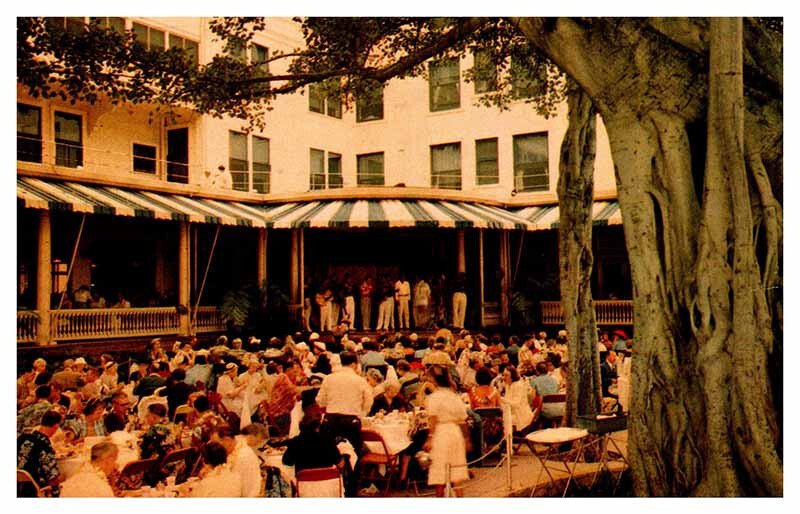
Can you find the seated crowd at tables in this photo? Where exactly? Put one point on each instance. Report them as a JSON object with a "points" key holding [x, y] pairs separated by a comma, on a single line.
{"points": [[234, 401]]}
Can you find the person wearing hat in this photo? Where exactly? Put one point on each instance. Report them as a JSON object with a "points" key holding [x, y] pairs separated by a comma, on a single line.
{"points": [[110, 377], [618, 344], [69, 378], [200, 371], [88, 424], [232, 394]]}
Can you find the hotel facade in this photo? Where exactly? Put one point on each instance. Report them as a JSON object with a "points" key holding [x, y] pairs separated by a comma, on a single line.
{"points": [[169, 210]]}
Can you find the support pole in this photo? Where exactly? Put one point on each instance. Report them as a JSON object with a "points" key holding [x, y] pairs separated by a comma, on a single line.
{"points": [[261, 274], [205, 277], [482, 286], [44, 279], [505, 264], [509, 452], [461, 265], [294, 266], [184, 279], [72, 260], [302, 272]]}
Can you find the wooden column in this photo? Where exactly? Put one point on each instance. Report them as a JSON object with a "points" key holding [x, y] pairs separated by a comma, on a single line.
{"points": [[480, 276], [294, 267], [505, 268], [44, 278], [302, 268], [184, 278], [461, 264], [261, 274]]}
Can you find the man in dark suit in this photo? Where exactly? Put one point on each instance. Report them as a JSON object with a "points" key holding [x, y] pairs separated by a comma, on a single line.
{"points": [[608, 373]]}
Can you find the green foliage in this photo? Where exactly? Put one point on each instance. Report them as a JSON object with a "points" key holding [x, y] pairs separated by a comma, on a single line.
{"points": [[256, 310]]}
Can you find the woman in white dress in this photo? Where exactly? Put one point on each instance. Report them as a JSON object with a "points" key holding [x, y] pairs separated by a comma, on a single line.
{"points": [[446, 410], [518, 395]]}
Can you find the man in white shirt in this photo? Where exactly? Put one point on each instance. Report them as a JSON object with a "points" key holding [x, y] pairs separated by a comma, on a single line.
{"points": [[422, 298], [346, 396], [242, 460], [91, 481], [231, 390], [402, 295]]}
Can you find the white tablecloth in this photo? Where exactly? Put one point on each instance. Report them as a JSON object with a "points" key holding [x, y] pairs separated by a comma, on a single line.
{"points": [[275, 459], [394, 432], [69, 465]]}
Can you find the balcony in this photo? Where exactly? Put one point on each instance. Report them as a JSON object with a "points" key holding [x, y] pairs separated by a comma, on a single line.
{"points": [[607, 312]]}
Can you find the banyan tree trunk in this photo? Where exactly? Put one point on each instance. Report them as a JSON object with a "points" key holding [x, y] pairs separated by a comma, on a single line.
{"points": [[575, 196]]}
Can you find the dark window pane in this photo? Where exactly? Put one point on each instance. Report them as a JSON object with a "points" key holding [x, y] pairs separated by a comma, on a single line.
{"points": [[29, 133], [334, 107], [531, 171], [444, 85], [140, 33], [370, 170], [258, 58], [261, 167], [75, 25], [144, 158], [178, 155], [117, 25], [446, 166], [485, 72], [525, 82], [334, 170], [316, 102], [370, 106], [486, 171], [69, 140], [317, 169], [192, 51]]}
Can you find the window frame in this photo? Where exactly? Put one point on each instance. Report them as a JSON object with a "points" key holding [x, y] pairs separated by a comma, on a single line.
{"points": [[438, 83], [367, 103], [478, 73], [360, 176], [520, 178], [69, 113], [520, 91], [28, 137], [234, 163], [338, 183], [316, 185], [134, 144], [265, 174], [439, 174], [481, 180]]}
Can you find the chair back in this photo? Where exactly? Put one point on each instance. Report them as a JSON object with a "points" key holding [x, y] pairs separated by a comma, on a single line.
{"points": [[319, 483], [147, 401], [179, 463], [26, 485], [181, 413], [133, 475]]}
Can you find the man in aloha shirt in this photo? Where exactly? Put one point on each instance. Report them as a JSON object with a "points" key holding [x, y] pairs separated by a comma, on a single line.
{"points": [[159, 438], [31, 415], [35, 452]]}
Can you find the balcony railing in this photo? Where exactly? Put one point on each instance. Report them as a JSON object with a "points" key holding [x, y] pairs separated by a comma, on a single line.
{"points": [[607, 312], [88, 324], [27, 326], [208, 319]]}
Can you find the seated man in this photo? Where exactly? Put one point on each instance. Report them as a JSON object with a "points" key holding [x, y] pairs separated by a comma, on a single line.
{"points": [[93, 479], [35, 452], [608, 373]]}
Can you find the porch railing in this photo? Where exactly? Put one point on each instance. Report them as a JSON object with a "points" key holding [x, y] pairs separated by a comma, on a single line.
{"points": [[71, 324], [27, 326], [208, 319], [607, 312]]}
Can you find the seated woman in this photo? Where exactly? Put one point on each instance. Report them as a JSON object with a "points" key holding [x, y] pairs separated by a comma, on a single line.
{"points": [[217, 479], [389, 400], [312, 448], [375, 380], [483, 395], [88, 424], [281, 402], [518, 395]]}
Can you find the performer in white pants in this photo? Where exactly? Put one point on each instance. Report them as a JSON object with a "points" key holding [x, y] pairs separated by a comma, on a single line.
{"points": [[459, 301], [402, 296]]}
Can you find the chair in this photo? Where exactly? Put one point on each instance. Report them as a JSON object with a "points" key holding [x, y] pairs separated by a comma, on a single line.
{"points": [[319, 483], [136, 473], [379, 458], [181, 412], [28, 488], [549, 400], [179, 463], [147, 401]]}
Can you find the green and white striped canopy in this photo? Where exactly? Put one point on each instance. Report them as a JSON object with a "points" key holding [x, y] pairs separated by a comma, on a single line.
{"points": [[337, 214], [546, 217]]}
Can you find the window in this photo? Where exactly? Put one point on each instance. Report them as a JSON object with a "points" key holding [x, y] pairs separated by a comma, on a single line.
{"points": [[178, 155], [334, 170], [530, 163], [370, 169], [369, 106], [446, 166], [444, 85], [486, 170], [317, 169], [58, 274], [29, 133], [187, 45], [525, 81], [148, 37], [485, 72], [69, 140], [243, 177], [261, 167], [115, 24], [74, 25], [259, 56], [144, 158], [318, 99]]}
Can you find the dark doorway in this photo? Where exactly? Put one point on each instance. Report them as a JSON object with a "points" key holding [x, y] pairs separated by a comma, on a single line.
{"points": [[178, 155]]}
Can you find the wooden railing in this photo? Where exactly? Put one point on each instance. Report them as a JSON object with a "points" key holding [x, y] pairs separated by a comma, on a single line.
{"points": [[208, 319], [72, 324], [607, 312], [27, 326]]}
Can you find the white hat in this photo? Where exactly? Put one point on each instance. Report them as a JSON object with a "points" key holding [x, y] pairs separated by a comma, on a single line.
{"points": [[201, 352], [365, 339], [313, 337], [413, 336], [320, 345], [231, 367], [109, 365], [302, 346], [562, 333], [80, 360], [254, 340]]}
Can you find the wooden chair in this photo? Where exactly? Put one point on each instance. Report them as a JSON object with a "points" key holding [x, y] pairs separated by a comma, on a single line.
{"points": [[179, 463], [491, 434], [135, 474], [379, 458], [28, 488], [181, 412], [319, 483]]}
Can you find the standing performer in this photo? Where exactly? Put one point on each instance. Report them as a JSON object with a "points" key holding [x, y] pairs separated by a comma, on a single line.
{"points": [[459, 301], [366, 302], [422, 300], [402, 295]]}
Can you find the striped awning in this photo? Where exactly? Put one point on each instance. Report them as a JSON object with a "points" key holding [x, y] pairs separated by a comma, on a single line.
{"points": [[546, 217], [338, 214], [392, 214], [96, 199]]}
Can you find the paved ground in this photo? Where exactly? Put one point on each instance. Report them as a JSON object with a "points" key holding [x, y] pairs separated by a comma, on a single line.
{"points": [[525, 469]]}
